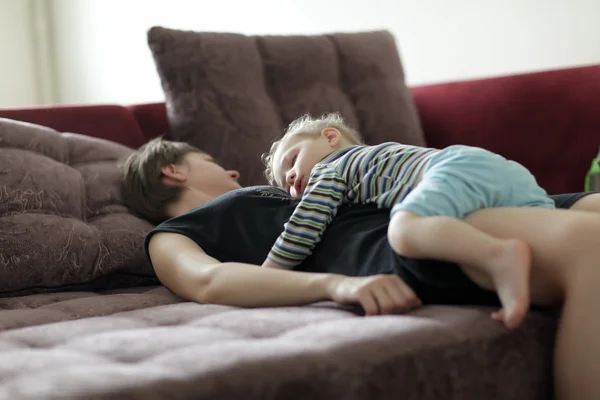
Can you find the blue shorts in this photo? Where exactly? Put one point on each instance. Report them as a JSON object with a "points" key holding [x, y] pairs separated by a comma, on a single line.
{"points": [[461, 179]]}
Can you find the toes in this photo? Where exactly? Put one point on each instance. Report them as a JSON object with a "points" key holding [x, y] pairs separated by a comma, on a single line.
{"points": [[498, 316]]}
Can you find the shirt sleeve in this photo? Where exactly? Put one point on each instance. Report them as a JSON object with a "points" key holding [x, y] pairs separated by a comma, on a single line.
{"points": [[324, 193]]}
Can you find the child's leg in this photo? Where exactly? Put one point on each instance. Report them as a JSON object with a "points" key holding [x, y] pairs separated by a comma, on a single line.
{"points": [[506, 261], [458, 182], [565, 270]]}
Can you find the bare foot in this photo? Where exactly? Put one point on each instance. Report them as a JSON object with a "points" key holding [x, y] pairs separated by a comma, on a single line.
{"points": [[510, 269]]}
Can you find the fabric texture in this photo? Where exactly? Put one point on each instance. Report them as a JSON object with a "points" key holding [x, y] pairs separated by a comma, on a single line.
{"points": [[145, 343], [62, 223], [231, 95]]}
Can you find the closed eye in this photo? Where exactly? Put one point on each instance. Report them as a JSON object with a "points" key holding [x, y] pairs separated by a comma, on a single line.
{"points": [[284, 185]]}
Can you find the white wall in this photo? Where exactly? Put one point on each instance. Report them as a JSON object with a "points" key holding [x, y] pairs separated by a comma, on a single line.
{"points": [[18, 80], [102, 55]]}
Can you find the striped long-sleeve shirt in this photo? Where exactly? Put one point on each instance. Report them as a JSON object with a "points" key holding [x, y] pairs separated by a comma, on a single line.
{"points": [[382, 174]]}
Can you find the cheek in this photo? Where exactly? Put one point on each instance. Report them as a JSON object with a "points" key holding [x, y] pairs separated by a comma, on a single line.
{"points": [[208, 175], [308, 162], [277, 173], [199, 180], [303, 161]]}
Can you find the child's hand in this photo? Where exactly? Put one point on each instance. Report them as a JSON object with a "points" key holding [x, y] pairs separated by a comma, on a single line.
{"points": [[270, 264], [378, 295]]}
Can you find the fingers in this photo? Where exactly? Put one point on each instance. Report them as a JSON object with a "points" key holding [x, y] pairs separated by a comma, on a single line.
{"points": [[412, 300], [385, 302], [388, 296], [404, 297], [369, 303]]}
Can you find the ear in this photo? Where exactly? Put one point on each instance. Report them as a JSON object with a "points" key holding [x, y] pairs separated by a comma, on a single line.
{"points": [[173, 174], [332, 135]]}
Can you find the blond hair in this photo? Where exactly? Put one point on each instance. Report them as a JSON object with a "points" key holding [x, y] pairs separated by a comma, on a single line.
{"points": [[310, 127], [142, 186]]}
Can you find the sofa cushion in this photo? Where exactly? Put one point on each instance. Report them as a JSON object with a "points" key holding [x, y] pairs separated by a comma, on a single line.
{"points": [[151, 345], [62, 223], [232, 95]]}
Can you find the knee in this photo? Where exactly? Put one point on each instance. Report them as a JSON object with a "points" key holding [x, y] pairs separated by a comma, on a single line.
{"points": [[400, 234]]}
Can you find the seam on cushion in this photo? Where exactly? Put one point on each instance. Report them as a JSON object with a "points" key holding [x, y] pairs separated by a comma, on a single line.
{"points": [[84, 194], [138, 275], [83, 198], [67, 147], [267, 82], [93, 218], [55, 214], [74, 286], [220, 107], [85, 163], [343, 82]]}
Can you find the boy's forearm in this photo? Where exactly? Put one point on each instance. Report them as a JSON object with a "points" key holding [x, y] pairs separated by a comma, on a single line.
{"points": [[243, 285]]}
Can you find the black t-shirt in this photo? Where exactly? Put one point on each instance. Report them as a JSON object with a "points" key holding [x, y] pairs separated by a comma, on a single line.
{"points": [[242, 226]]}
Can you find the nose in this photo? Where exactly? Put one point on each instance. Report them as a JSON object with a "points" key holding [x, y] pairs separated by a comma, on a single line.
{"points": [[235, 175], [290, 178]]}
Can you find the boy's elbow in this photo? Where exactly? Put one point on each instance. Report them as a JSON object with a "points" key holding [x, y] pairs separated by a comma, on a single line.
{"points": [[181, 269], [201, 287]]}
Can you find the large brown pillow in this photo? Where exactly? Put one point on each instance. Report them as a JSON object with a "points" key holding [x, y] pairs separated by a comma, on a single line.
{"points": [[62, 223], [232, 95]]}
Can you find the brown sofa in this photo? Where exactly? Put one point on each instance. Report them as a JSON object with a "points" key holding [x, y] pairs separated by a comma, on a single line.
{"points": [[103, 336]]}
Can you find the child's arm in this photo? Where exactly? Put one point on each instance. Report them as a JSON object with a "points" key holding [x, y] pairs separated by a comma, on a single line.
{"points": [[272, 264], [324, 193]]}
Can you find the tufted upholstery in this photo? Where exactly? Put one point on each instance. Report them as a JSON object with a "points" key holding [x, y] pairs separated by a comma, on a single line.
{"points": [[231, 95], [150, 345], [62, 225]]}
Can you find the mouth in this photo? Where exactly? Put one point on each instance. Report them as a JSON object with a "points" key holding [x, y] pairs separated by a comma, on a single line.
{"points": [[298, 186]]}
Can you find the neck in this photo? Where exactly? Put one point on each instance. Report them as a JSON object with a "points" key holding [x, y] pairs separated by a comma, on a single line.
{"points": [[344, 145], [188, 200]]}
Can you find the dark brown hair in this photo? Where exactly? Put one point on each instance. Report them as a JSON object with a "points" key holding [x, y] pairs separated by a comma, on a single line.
{"points": [[142, 186]]}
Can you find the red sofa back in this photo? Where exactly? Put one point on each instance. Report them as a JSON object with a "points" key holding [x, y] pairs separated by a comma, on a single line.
{"points": [[548, 121], [110, 122]]}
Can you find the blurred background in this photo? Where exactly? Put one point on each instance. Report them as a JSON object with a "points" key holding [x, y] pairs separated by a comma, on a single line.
{"points": [[95, 51]]}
